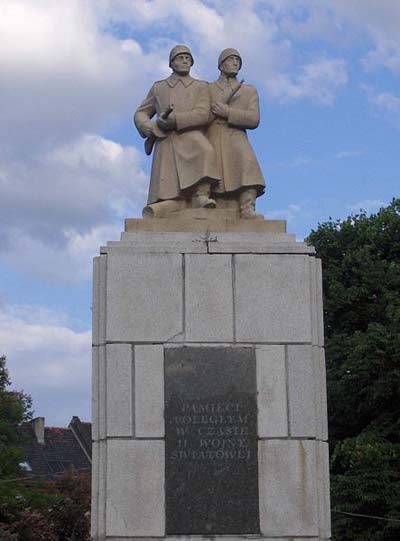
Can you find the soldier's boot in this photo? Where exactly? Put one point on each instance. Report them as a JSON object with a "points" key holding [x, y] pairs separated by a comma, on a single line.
{"points": [[201, 196], [247, 203]]}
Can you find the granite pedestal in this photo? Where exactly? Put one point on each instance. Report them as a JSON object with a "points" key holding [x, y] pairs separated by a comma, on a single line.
{"points": [[209, 394]]}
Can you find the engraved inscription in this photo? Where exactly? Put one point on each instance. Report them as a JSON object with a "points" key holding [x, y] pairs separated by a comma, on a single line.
{"points": [[211, 441]]}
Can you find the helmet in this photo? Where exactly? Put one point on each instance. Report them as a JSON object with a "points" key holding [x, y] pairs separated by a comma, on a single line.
{"points": [[228, 52], [179, 49]]}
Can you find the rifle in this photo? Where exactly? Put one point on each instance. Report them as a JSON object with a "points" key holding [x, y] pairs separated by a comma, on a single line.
{"points": [[151, 140], [234, 91]]}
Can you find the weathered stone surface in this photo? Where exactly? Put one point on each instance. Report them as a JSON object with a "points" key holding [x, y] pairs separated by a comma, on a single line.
{"points": [[257, 243], [272, 395], [101, 523], [211, 441], [208, 298], [119, 390], [102, 299], [135, 488], [288, 491], [319, 299], [144, 297], [94, 510], [324, 504], [96, 301], [302, 392], [149, 391], [95, 394], [272, 298], [102, 419], [219, 537], [320, 392], [161, 242], [205, 221]]}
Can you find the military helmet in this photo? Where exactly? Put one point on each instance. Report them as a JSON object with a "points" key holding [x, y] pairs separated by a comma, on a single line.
{"points": [[228, 52], [179, 49]]}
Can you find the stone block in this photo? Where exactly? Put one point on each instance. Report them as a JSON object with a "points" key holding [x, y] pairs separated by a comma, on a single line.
{"points": [[102, 483], [208, 298], [135, 488], [316, 302], [102, 419], [320, 392], [119, 390], [94, 510], [144, 296], [301, 385], [288, 491], [320, 311], [272, 395], [96, 301], [257, 243], [230, 538], [95, 393], [167, 243], [272, 298], [149, 391], [324, 504], [102, 299]]}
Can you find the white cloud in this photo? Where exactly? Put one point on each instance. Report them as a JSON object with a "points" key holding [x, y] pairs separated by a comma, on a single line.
{"points": [[48, 360], [384, 102], [58, 207], [299, 161], [369, 205], [289, 214], [345, 154], [63, 73]]}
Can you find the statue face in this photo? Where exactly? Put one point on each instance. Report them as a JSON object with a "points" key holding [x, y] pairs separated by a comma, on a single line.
{"points": [[182, 63], [231, 65]]}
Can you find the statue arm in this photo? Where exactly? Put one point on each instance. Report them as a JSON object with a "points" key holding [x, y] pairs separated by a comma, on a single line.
{"points": [[199, 115], [144, 113], [248, 118]]}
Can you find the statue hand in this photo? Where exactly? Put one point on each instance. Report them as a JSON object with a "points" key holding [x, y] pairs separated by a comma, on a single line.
{"points": [[167, 124], [148, 129], [220, 109]]}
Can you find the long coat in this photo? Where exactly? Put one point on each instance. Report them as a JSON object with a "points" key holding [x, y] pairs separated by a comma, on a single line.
{"points": [[184, 156], [238, 165]]}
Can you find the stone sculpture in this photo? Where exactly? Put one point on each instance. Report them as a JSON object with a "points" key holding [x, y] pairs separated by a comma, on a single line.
{"points": [[199, 139], [235, 109], [184, 162]]}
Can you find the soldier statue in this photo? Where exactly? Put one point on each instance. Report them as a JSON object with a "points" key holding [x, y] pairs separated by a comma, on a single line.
{"points": [[184, 162], [235, 109]]}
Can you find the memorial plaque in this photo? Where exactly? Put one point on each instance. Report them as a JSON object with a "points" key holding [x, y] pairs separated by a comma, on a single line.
{"points": [[211, 441]]}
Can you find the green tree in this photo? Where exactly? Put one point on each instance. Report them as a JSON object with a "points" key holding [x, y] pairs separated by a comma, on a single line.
{"points": [[361, 279], [15, 409], [35, 509]]}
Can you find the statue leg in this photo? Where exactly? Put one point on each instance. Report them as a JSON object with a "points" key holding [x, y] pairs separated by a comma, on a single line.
{"points": [[201, 196], [247, 203]]}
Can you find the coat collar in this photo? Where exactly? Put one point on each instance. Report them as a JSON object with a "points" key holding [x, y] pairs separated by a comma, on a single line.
{"points": [[222, 81], [173, 79]]}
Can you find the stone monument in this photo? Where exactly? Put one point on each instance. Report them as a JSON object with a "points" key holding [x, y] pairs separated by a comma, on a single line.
{"points": [[209, 394]]}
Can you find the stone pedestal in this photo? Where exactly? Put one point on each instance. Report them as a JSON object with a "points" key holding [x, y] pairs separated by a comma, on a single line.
{"points": [[184, 445]]}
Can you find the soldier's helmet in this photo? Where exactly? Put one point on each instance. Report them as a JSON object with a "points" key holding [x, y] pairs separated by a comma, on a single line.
{"points": [[179, 49], [228, 52]]}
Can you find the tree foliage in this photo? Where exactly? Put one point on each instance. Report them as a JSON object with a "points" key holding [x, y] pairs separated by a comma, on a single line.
{"points": [[15, 408], [361, 279], [30, 510]]}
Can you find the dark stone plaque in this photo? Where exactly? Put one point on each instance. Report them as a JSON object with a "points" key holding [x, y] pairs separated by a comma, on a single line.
{"points": [[211, 441]]}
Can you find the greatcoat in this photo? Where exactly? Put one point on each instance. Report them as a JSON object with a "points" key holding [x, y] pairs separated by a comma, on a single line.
{"points": [[238, 165], [184, 156]]}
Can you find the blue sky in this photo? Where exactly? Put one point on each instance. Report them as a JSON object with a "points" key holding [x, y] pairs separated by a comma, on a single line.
{"points": [[72, 166]]}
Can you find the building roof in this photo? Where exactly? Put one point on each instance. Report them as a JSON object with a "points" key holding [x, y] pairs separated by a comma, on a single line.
{"points": [[59, 451]]}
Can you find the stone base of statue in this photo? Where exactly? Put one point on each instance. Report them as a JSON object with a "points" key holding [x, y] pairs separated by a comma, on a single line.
{"points": [[209, 395]]}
